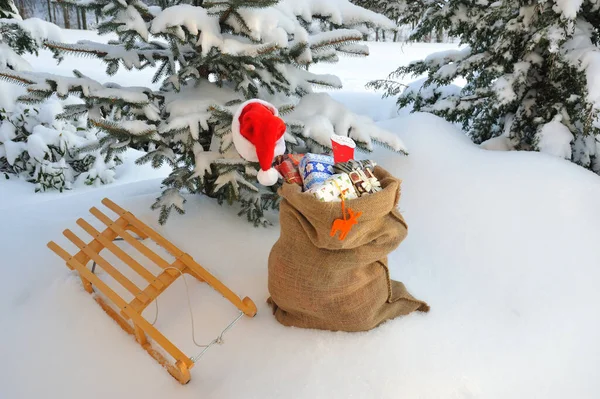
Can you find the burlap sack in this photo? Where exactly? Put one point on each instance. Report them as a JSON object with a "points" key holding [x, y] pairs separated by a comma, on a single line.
{"points": [[318, 281]]}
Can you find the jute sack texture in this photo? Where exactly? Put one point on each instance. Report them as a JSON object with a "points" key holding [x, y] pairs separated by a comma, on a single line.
{"points": [[318, 281]]}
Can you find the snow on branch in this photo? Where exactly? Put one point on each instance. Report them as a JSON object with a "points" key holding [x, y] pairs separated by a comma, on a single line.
{"points": [[125, 127], [91, 4], [195, 20], [585, 55], [137, 57], [354, 49], [37, 30], [322, 116], [89, 88], [9, 59], [20, 78], [18, 37], [338, 12], [334, 38]]}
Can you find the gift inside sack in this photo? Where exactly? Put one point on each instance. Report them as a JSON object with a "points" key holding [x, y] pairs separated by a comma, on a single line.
{"points": [[351, 179], [287, 166], [334, 189], [315, 169], [326, 179]]}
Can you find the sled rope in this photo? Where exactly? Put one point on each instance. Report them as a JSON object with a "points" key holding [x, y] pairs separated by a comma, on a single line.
{"points": [[218, 340]]}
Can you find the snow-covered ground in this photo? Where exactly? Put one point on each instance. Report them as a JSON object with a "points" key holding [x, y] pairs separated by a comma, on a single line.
{"points": [[502, 245]]}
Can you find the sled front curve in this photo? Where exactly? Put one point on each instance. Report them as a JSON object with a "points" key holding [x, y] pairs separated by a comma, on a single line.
{"points": [[129, 316]]}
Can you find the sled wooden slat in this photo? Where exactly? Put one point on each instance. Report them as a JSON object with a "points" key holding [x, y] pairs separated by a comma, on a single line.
{"points": [[160, 240], [147, 252], [117, 275], [122, 255], [211, 280], [139, 305], [59, 251], [120, 302], [129, 314]]}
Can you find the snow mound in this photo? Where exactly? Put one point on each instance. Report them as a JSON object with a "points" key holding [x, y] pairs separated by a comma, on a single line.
{"points": [[502, 245], [554, 138]]}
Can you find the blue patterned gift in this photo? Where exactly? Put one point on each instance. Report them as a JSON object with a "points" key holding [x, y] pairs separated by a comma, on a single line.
{"points": [[315, 169]]}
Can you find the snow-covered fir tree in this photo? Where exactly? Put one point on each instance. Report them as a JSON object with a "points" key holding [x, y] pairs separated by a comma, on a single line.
{"points": [[8, 10], [37, 142], [531, 68], [39, 146], [393, 9], [208, 57], [405, 13], [18, 37], [385, 7]]}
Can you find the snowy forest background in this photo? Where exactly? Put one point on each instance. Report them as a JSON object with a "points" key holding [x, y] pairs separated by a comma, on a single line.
{"points": [[67, 16]]}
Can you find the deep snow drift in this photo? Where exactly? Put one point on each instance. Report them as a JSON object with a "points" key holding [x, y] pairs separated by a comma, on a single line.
{"points": [[501, 245]]}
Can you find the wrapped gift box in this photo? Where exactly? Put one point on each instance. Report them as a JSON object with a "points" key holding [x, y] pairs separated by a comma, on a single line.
{"points": [[374, 185], [329, 191], [361, 175], [315, 169], [347, 167], [287, 166], [364, 184]]}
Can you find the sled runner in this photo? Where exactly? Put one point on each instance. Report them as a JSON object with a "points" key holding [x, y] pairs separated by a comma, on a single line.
{"points": [[130, 315]]}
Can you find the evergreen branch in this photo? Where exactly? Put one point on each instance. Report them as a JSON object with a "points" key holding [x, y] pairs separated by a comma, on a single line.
{"points": [[118, 129], [16, 77], [226, 15], [388, 147], [71, 49], [73, 111], [239, 19], [335, 38]]}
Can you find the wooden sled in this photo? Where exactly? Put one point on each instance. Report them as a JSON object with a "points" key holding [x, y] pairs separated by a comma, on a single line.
{"points": [[130, 316]]}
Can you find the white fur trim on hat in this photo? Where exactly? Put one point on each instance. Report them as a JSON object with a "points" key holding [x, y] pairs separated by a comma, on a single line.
{"points": [[244, 147]]}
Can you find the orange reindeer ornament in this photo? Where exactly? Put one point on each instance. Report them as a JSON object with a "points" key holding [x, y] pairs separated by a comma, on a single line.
{"points": [[344, 225]]}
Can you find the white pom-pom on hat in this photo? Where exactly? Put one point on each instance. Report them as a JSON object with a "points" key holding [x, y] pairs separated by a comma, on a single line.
{"points": [[268, 177]]}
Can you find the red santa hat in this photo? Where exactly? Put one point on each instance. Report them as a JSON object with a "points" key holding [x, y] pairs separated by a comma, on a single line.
{"points": [[258, 137]]}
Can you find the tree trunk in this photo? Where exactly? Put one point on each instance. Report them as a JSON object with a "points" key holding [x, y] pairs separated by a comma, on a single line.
{"points": [[49, 11], [21, 8], [383, 35], [84, 18], [66, 16], [440, 36], [78, 19], [376, 35], [395, 36]]}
